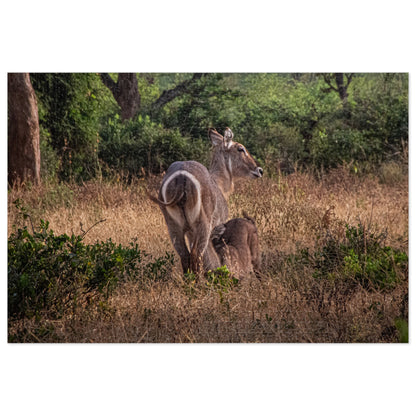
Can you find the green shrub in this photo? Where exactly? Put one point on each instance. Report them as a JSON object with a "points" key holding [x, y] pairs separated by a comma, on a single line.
{"points": [[362, 257], [212, 101], [403, 327], [70, 109], [142, 146], [221, 279], [159, 269], [50, 162], [51, 272], [332, 147]]}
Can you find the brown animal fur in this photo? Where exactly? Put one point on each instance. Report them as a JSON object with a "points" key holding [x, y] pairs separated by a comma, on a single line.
{"points": [[237, 245], [193, 199]]}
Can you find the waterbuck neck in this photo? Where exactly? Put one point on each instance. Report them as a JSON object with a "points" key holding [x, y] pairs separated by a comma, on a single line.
{"points": [[221, 172]]}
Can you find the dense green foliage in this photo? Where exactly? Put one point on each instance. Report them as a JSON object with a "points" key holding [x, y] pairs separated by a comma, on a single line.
{"points": [[221, 279], [71, 107], [141, 145], [53, 272], [361, 257], [286, 120]]}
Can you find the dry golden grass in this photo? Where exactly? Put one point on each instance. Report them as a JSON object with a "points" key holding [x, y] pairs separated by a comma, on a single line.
{"points": [[287, 305]]}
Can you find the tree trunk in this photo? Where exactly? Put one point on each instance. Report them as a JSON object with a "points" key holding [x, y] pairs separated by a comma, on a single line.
{"points": [[125, 92], [341, 86], [23, 130], [127, 95], [342, 89]]}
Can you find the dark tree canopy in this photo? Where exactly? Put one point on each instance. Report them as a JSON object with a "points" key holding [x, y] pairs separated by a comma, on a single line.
{"points": [[127, 94]]}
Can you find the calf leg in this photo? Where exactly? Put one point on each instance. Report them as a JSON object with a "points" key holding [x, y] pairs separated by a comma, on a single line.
{"points": [[255, 253]]}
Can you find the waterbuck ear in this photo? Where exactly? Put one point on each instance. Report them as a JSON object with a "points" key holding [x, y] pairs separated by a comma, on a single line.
{"points": [[216, 138], [228, 134], [217, 233], [228, 137]]}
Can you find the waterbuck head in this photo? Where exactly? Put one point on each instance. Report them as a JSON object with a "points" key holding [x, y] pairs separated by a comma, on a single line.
{"points": [[231, 160]]}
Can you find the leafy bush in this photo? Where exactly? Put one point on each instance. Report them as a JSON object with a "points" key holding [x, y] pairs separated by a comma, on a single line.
{"points": [[221, 279], [330, 148], [380, 109], [212, 101], [140, 145], [48, 271], [159, 269], [70, 109], [50, 163], [362, 258], [403, 327]]}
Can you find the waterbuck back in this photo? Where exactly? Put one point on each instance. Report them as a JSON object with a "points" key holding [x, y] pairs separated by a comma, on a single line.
{"points": [[237, 245], [193, 199]]}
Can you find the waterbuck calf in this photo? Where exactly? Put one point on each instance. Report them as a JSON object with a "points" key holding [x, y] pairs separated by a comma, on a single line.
{"points": [[237, 245], [193, 199]]}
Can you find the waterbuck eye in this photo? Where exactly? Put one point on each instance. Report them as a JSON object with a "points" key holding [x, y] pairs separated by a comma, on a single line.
{"points": [[241, 149]]}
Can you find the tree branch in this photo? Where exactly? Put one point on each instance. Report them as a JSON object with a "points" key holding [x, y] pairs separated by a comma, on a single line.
{"points": [[169, 95], [327, 79], [349, 78], [109, 83]]}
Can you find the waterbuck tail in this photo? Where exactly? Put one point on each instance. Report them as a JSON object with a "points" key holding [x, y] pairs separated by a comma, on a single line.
{"points": [[173, 201]]}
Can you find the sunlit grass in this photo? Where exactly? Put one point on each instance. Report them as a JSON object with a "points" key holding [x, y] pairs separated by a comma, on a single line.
{"points": [[287, 305]]}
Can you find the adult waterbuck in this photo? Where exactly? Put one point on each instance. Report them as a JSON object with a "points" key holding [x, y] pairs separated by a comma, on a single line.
{"points": [[193, 199], [237, 244]]}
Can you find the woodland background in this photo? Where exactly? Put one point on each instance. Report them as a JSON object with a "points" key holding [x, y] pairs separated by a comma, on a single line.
{"points": [[92, 125]]}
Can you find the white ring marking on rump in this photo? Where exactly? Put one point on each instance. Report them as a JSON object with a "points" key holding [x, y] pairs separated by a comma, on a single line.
{"points": [[191, 213]]}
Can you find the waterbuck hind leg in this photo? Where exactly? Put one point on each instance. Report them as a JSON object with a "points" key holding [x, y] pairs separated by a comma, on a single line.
{"points": [[207, 261], [203, 254], [179, 244], [211, 260], [178, 240], [185, 257]]}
